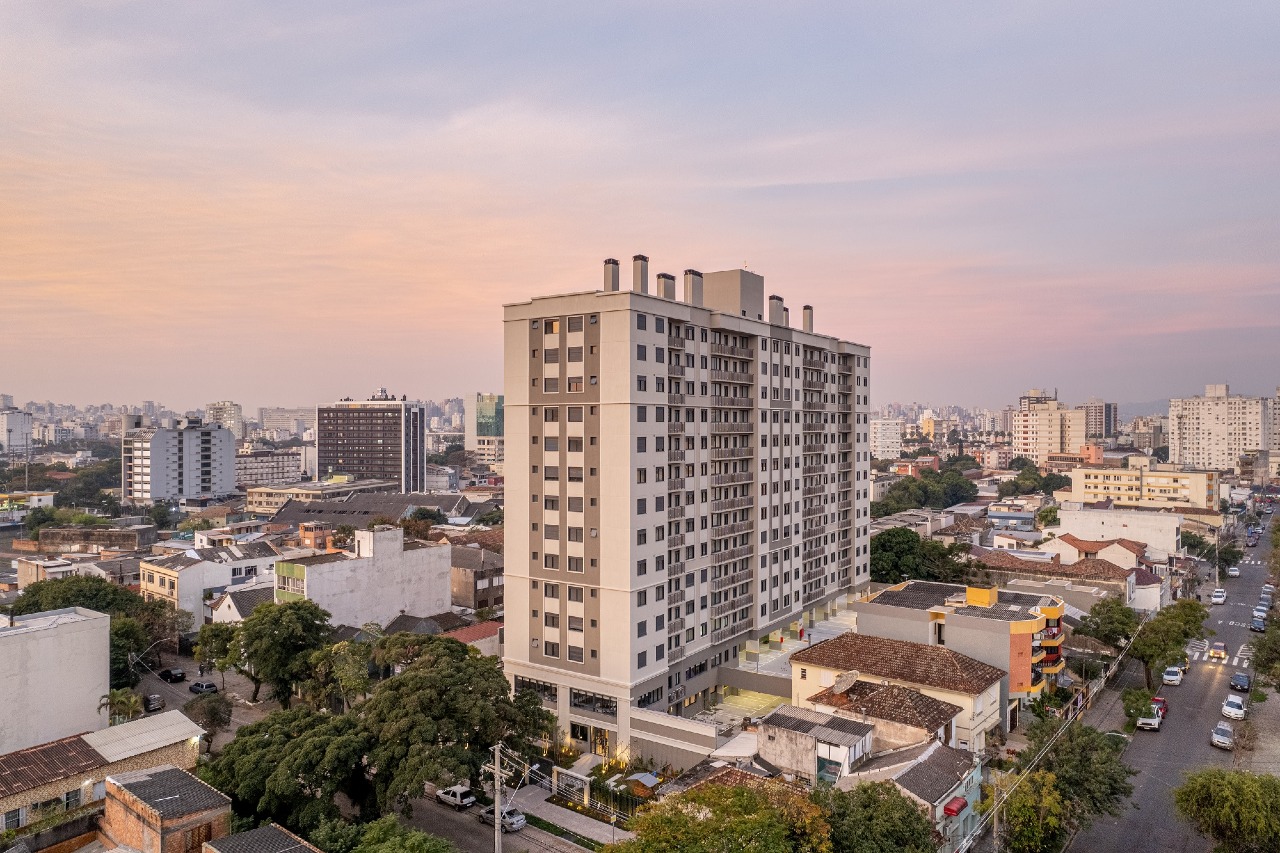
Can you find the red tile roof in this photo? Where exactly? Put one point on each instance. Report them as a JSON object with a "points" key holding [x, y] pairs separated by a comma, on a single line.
{"points": [[890, 702], [39, 765], [478, 631], [1090, 568], [914, 663]]}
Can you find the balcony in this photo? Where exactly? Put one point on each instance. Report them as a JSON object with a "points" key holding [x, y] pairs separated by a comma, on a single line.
{"points": [[675, 484], [731, 529], [731, 554], [740, 427], [813, 385], [845, 466], [675, 654], [1053, 666], [675, 399], [675, 455], [815, 364], [814, 448], [675, 626], [721, 453], [1037, 654], [729, 633], [731, 352], [726, 607], [675, 339], [725, 504], [733, 402], [675, 512], [675, 370], [675, 540], [675, 598], [810, 470], [743, 378], [675, 427], [732, 479]]}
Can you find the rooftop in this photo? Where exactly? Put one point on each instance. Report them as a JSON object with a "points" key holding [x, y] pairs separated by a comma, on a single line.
{"points": [[913, 663], [926, 595], [890, 702], [473, 633], [247, 600], [828, 728], [265, 839], [39, 765], [937, 772], [140, 736], [170, 792], [1090, 568], [48, 620]]}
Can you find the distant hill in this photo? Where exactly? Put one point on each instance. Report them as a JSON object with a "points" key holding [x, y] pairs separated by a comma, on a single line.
{"points": [[1129, 411]]}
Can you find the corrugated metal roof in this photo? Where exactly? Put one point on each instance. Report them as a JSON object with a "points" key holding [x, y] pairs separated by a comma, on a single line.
{"points": [[141, 736], [49, 762]]}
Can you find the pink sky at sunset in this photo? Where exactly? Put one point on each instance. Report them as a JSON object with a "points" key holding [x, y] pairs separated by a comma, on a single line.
{"points": [[289, 203]]}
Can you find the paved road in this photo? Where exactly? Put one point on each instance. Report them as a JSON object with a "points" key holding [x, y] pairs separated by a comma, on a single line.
{"points": [[470, 835], [1182, 744]]}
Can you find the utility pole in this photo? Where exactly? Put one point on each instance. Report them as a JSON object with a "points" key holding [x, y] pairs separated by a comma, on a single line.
{"points": [[497, 797]]}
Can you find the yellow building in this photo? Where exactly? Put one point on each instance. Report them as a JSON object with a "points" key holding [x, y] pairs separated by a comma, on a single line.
{"points": [[1148, 484]]}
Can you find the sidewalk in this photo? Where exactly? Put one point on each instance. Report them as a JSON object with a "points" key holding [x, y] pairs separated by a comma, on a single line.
{"points": [[533, 800], [1107, 711]]}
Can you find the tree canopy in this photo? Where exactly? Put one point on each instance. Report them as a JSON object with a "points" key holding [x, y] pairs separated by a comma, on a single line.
{"points": [[874, 817], [900, 554], [1239, 810], [1163, 639], [1087, 766], [936, 489], [211, 712], [1033, 816], [277, 640], [1109, 621]]}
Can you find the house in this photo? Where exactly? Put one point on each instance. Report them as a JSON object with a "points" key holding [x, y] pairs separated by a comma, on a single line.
{"points": [[966, 530], [122, 571], [428, 626], [945, 783], [476, 578], [236, 604], [1018, 633], [1158, 529], [923, 521], [812, 746], [192, 578], [1121, 552], [268, 838], [382, 577], [933, 670], [71, 772], [901, 715], [485, 637], [162, 809], [1010, 539], [1151, 592], [1080, 584]]}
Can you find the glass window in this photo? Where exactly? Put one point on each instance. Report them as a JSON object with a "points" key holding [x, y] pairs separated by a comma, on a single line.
{"points": [[551, 327], [551, 650], [575, 654]]}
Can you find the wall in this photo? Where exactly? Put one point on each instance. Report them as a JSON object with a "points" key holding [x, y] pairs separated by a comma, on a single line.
{"points": [[386, 581], [52, 679], [1157, 529], [83, 540], [789, 751]]}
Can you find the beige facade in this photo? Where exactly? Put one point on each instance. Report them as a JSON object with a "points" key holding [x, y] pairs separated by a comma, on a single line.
{"points": [[1042, 428], [697, 477], [1146, 483], [1214, 431]]}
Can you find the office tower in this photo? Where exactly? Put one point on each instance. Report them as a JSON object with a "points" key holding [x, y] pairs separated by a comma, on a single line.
{"points": [[1212, 432], [380, 438], [697, 477], [191, 460], [228, 414], [886, 438], [1100, 419], [15, 433], [484, 429], [1048, 427]]}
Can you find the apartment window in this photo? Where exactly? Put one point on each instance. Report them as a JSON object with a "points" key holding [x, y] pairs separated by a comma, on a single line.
{"points": [[575, 475], [550, 531], [575, 504], [642, 598], [575, 414], [551, 620], [642, 475], [642, 536], [551, 385], [551, 472], [551, 414], [642, 506], [642, 444], [575, 624], [551, 590], [550, 503], [575, 534], [551, 443], [642, 628], [642, 322], [575, 323], [642, 383], [642, 660], [550, 561], [551, 355], [575, 384], [575, 654], [642, 352], [551, 650], [574, 354], [575, 565], [642, 414], [575, 445], [642, 567], [575, 593], [551, 327]]}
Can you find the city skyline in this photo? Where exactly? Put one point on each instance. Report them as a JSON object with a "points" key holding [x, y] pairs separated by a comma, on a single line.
{"points": [[294, 184]]}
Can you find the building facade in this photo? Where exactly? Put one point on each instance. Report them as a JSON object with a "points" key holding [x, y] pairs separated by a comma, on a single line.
{"points": [[1041, 428], [268, 467], [886, 438], [381, 438], [1146, 483], [295, 420], [698, 478], [1215, 430], [485, 430], [1100, 419], [227, 414], [189, 461], [15, 433]]}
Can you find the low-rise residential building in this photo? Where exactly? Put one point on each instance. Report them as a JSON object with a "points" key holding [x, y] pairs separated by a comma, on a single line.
{"points": [[268, 467], [901, 715], [476, 578], [71, 772], [1018, 633], [194, 578], [382, 577], [235, 605], [54, 668], [34, 569], [1072, 549], [1147, 483], [484, 637], [1160, 530], [162, 809], [946, 784], [268, 500], [813, 746], [440, 478], [935, 671], [924, 521]]}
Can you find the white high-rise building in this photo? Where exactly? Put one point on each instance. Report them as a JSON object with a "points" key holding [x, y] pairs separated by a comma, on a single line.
{"points": [[886, 438], [1213, 431], [698, 481], [1048, 427], [191, 460], [227, 414], [15, 433]]}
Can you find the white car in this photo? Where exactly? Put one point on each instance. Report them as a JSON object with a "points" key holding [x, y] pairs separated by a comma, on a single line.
{"points": [[1172, 675], [1233, 707], [1233, 572], [1219, 597]]}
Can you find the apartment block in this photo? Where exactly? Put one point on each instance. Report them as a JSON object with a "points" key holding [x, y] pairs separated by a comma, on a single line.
{"points": [[697, 473], [484, 429], [1146, 483], [268, 467], [1215, 430], [1101, 419], [295, 420], [191, 460], [15, 433], [227, 414], [381, 438], [886, 438], [1042, 428]]}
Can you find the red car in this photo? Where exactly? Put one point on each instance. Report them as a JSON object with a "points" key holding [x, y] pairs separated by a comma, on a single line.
{"points": [[1161, 704]]}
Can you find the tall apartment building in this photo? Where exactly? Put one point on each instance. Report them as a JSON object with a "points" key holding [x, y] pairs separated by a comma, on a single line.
{"points": [[1100, 418], [295, 420], [1215, 430], [228, 414], [484, 429], [1149, 433], [1047, 427], [698, 477], [268, 467], [886, 438], [1035, 397], [188, 461], [15, 433], [381, 438]]}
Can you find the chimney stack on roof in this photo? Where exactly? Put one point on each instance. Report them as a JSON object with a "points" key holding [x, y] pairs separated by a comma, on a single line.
{"points": [[611, 274], [776, 309], [807, 318], [640, 274], [693, 288], [667, 286]]}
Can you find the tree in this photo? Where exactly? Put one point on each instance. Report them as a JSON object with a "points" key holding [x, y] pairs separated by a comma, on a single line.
{"points": [[276, 642], [899, 554], [340, 674], [336, 835], [772, 818], [1051, 483], [492, 518], [1087, 767], [1161, 453], [161, 516], [1032, 816], [91, 593], [1162, 640], [342, 535], [874, 818], [211, 712], [1048, 517], [128, 640], [37, 518], [193, 524], [436, 721], [387, 835], [427, 513], [1109, 621], [1239, 810], [121, 705], [216, 647], [1021, 463]]}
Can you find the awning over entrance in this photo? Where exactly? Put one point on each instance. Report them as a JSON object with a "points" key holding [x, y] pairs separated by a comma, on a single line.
{"points": [[954, 806]]}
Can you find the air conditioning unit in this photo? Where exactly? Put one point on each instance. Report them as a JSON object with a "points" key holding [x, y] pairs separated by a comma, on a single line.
{"points": [[533, 643]]}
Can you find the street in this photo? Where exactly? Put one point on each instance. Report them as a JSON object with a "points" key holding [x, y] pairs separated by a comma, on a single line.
{"points": [[1182, 744], [468, 834]]}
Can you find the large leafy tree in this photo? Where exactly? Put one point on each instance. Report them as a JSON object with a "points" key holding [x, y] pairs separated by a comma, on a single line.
{"points": [[1087, 766], [1161, 641], [276, 643], [1240, 811], [1032, 817], [339, 675], [713, 818], [216, 647], [211, 712], [1109, 621], [436, 721], [388, 835], [78, 591], [874, 817], [900, 554], [128, 642]]}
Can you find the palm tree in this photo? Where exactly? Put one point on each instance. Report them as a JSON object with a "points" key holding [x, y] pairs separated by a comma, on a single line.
{"points": [[122, 705]]}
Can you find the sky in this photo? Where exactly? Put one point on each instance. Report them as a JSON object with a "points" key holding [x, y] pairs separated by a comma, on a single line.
{"points": [[287, 203]]}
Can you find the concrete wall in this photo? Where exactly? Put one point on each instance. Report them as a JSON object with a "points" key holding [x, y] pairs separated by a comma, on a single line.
{"points": [[789, 751], [1159, 530], [52, 674], [386, 581], [91, 540]]}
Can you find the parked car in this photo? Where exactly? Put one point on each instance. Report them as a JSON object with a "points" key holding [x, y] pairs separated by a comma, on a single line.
{"points": [[1268, 588], [1233, 571], [1223, 736], [1219, 597], [459, 796], [513, 819], [1218, 651], [1161, 705], [1260, 612], [1266, 600], [1233, 707], [203, 687], [1242, 681], [1172, 675], [1151, 720], [153, 703], [172, 675], [1259, 624]]}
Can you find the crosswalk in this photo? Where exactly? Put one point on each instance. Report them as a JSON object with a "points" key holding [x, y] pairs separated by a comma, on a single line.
{"points": [[1250, 561], [1199, 650]]}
